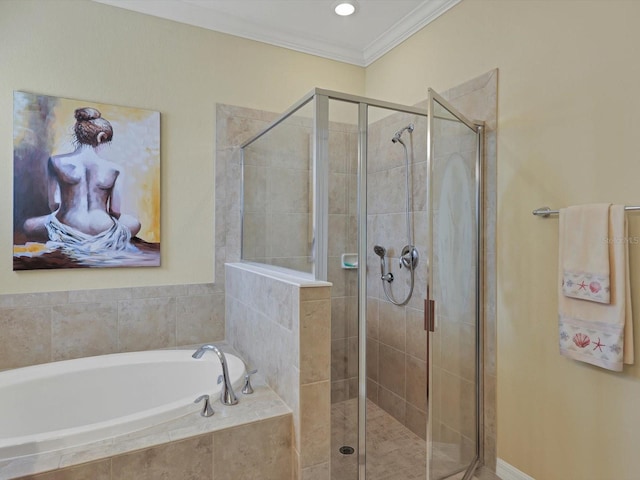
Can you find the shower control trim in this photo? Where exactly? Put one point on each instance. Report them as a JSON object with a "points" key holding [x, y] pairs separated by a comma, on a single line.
{"points": [[409, 258]]}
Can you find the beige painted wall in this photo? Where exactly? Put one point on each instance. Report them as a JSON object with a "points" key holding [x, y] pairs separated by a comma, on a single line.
{"points": [[567, 131], [84, 50]]}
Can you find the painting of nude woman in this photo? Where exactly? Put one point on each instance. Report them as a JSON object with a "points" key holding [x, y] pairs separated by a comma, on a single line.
{"points": [[86, 184]]}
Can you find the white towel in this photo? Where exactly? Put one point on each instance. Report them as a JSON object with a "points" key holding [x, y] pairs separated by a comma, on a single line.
{"points": [[597, 333], [585, 258]]}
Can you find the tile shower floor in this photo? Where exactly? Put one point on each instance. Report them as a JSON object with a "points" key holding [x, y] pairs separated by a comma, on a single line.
{"points": [[393, 451]]}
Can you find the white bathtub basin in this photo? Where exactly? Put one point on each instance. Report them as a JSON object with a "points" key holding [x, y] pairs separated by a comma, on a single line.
{"points": [[56, 405]]}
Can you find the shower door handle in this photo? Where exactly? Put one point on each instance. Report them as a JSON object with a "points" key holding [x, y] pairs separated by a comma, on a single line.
{"points": [[429, 314], [431, 304]]}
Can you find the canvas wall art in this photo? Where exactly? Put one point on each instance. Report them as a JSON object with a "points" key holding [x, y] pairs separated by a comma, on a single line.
{"points": [[86, 184]]}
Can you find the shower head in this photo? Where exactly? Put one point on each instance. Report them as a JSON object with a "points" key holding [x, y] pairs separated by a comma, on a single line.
{"points": [[380, 251], [396, 137]]}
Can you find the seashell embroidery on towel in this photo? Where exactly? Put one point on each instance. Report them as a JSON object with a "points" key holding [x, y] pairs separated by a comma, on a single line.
{"points": [[586, 286], [581, 340]]}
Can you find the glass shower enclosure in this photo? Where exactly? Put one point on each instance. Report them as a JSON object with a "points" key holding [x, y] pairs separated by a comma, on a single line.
{"points": [[383, 201]]}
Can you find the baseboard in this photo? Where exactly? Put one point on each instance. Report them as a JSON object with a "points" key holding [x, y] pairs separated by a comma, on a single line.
{"points": [[509, 472]]}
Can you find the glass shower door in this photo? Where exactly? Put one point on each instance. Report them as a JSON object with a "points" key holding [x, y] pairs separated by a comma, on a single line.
{"points": [[454, 149]]}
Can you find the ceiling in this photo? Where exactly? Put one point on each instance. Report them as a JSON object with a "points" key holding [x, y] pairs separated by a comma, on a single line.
{"points": [[308, 26]]}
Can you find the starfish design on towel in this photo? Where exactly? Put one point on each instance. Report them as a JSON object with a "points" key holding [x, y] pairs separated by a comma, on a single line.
{"points": [[599, 345], [582, 285]]}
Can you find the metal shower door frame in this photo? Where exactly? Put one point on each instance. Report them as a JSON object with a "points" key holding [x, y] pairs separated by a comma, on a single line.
{"points": [[431, 324]]}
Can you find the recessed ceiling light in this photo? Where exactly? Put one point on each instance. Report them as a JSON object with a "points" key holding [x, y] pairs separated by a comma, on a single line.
{"points": [[345, 9]]}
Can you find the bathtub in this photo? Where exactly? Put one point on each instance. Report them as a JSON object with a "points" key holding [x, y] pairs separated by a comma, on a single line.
{"points": [[57, 405]]}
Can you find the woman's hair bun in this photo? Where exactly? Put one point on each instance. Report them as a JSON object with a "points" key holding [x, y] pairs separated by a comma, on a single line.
{"points": [[86, 113], [89, 125]]}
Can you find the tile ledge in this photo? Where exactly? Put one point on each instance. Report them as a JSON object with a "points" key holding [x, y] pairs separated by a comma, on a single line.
{"points": [[285, 275]]}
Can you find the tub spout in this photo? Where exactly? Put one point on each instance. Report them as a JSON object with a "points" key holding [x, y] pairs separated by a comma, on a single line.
{"points": [[227, 395]]}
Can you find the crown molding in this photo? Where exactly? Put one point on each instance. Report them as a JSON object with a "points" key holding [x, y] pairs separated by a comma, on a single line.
{"points": [[194, 14], [418, 18]]}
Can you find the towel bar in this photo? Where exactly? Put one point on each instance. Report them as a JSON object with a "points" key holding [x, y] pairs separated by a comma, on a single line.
{"points": [[546, 211]]}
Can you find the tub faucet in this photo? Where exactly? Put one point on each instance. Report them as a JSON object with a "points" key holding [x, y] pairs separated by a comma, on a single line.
{"points": [[227, 396]]}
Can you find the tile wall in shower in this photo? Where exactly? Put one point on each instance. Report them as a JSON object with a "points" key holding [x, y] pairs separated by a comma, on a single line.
{"points": [[343, 238], [396, 340]]}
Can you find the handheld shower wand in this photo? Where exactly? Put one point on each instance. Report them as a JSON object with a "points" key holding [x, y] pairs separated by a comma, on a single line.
{"points": [[409, 255], [382, 252]]}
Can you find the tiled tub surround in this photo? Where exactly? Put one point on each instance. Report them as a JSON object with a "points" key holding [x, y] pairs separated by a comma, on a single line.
{"points": [[281, 323], [44, 327], [247, 441]]}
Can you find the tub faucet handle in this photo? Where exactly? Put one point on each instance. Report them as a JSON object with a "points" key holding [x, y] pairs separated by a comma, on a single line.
{"points": [[207, 410], [248, 389]]}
